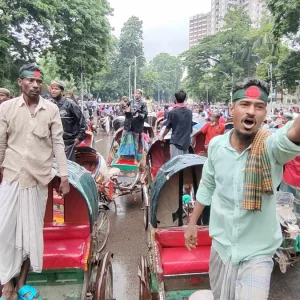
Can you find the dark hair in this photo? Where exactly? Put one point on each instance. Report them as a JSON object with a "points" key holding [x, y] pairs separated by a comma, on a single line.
{"points": [[147, 97], [252, 81], [180, 96], [29, 67]]}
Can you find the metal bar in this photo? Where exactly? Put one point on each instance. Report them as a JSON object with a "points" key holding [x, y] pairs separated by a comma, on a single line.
{"points": [[180, 210], [186, 275]]}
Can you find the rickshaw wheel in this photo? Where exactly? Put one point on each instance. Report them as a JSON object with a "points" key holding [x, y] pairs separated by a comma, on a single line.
{"points": [[149, 178], [146, 217], [108, 202], [101, 230], [143, 273], [104, 282]]}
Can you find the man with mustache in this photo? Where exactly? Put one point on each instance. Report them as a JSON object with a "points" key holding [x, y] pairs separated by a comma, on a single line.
{"points": [[73, 121], [30, 135], [239, 181]]}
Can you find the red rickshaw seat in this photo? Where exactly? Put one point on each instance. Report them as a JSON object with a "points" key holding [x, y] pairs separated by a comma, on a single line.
{"points": [[66, 245], [179, 260], [154, 171], [176, 258]]}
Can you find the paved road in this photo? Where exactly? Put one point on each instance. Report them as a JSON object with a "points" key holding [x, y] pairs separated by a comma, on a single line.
{"points": [[128, 239]]}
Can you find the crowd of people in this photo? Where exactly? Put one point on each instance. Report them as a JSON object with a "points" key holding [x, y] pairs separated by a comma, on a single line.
{"points": [[240, 177]]}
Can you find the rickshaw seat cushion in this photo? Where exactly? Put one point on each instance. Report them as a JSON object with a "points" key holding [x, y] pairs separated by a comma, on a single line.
{"points": [[66, 246], [179, 260], [66, 231], [174, 237]]}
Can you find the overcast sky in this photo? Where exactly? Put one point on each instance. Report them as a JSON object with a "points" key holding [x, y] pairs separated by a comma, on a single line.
{"points": [[166, 22]]}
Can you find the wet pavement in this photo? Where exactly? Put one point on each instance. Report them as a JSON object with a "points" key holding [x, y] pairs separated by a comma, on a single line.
{"points": [[128, 239]]}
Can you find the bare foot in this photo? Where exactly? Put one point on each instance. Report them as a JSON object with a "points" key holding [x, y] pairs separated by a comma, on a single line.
{"points": [[8, 292]]}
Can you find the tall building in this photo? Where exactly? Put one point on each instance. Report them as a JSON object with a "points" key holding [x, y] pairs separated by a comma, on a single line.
{"points": [[205, 24], [255, 9], [200, 27], [219, 8]]}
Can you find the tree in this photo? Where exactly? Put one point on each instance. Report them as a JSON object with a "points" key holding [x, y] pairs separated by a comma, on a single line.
{"points": [[169, 69], [287, 16], [219, 59], [130, 45], [149, 79], [75, 31], [107, 84]]}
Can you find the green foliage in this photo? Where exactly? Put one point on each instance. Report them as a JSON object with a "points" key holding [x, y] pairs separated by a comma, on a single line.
{"points": [[169, 72], [150, 80], [287, 16], [219, 58], [237, 52], [75, 31], [130, 45]]}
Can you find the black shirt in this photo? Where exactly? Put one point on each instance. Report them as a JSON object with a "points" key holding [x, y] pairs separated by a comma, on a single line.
{"points": [[180, 120], [72, 119]]}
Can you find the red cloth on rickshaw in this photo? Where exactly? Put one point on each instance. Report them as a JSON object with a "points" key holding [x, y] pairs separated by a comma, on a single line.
{"points": [[87, 142], [66, 245], [160, 154], [176, 258]]}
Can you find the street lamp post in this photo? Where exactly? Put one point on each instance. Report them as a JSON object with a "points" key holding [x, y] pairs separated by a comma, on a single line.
{"points": [[135, 73], [129, 88]]}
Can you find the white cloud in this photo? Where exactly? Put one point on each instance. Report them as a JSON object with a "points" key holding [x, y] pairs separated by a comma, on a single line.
{"points": [[165, 21]]}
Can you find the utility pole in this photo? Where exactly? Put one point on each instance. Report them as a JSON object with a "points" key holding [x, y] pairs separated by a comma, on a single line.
{"points": [[129, 88], [231, 88], [207, 94], [81, 78], [271, 85], [135, 73]]}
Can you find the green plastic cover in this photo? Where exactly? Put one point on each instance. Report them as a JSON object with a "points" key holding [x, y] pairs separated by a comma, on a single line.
{"points": [[170, 168], [83, 181]]}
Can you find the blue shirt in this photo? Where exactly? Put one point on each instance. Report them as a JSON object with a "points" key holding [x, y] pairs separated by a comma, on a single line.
{"points": [[237, 233]]}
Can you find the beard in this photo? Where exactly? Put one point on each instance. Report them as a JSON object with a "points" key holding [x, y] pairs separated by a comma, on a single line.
{"points": [[244, 137], [57, 97]]}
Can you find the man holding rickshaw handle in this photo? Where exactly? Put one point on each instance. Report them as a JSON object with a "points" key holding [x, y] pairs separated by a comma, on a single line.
{"points": [[239, 181]]}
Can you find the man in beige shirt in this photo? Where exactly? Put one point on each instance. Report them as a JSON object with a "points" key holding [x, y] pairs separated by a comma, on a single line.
{"points": [[30, 136]]}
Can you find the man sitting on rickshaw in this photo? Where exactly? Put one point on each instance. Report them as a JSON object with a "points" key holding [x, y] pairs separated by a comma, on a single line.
{"points": [[30, 135], [135, 115], [239, 181]]}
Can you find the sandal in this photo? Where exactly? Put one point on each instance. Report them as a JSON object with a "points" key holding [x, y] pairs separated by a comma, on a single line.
{"points": [[28, 289]]}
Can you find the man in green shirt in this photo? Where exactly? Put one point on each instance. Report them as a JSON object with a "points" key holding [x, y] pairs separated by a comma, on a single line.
{"points": [[239, 181]]}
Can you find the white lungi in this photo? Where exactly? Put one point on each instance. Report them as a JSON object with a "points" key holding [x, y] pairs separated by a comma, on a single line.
{"points": [[21, 228], [249, 281]]}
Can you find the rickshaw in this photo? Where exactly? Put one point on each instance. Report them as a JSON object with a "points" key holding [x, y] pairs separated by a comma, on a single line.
{"points": [[171, 271], [74, 267], [115, 145], [118, 122], [129, 175], [288, 211], [151, 119], [198, 140], [157, 156], [158, 125]]}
